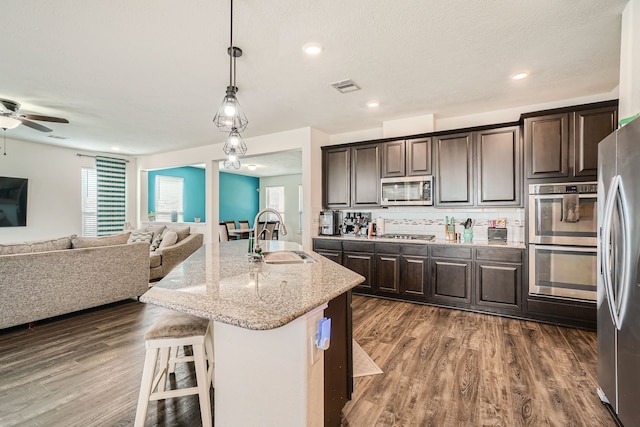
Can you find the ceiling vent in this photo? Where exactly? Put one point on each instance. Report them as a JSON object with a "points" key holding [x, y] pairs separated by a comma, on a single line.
{"points": [[345, 86]]}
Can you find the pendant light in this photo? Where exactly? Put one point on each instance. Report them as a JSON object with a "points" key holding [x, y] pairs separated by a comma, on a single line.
{"points": [[235, 143], [232, 161], [230, 115]]}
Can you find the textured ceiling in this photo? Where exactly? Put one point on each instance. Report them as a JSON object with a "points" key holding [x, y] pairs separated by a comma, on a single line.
{"points": [[147, 75]]}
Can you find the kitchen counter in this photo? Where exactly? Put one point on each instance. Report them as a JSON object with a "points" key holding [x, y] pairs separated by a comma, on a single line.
{"points": [[218, 282], [474, 243]]}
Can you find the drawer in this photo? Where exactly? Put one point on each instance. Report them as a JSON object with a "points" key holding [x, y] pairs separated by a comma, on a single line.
{"points": [[499, 254], [451, 252], [422, 250], [331, 244], [352, 246], [388, 248]]}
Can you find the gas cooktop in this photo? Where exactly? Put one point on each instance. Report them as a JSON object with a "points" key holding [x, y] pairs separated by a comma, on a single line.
{"points": [[427, 237]]}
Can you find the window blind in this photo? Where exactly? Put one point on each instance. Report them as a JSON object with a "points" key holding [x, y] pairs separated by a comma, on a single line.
{"points": [[169, 198], [111, 190], [89, 203]]}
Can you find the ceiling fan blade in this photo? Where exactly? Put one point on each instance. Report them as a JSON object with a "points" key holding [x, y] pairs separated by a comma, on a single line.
{"points": [[9, 105], [44, 118], [34, 125]]}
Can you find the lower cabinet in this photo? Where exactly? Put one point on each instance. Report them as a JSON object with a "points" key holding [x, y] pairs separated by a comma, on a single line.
{"points": [[480, 278], [498, 282], [451, 274], [360, 257]]}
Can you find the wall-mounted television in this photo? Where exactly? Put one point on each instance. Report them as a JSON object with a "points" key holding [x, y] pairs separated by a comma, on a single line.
{"points": [[13, 202]]}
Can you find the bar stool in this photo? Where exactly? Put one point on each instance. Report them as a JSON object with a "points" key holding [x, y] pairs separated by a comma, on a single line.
{"points": [[170, 331]]}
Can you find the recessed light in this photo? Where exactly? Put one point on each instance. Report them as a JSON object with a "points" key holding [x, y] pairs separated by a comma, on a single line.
{"points": [[519, 76], [114, 148], [312, 49], [251, 167], [373, 104]]}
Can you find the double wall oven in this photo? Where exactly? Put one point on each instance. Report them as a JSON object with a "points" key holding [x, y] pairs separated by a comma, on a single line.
{"points": [[562, 240]]}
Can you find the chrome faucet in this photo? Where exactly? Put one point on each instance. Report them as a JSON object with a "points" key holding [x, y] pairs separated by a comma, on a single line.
{"points": [[281, 228]]}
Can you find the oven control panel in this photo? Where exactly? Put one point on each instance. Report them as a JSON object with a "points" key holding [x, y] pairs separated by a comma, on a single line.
{"points": [[564, 188]]}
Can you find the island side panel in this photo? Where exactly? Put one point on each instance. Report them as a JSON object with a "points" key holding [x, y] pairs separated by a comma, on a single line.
{"points": [[269, 377]]}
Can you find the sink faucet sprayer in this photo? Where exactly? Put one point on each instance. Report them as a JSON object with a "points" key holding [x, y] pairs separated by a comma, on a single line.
{"points": [[253, 242]]}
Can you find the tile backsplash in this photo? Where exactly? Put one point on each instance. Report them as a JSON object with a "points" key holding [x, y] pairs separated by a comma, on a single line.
{"points": [[429, 220]]}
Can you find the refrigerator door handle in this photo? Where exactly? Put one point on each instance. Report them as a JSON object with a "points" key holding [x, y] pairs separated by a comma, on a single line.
{"points": [[626, 252], [606, 250]]}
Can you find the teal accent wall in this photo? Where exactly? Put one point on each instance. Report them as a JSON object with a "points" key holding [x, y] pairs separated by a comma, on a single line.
{"points": [[194, 190], [239, 198]]}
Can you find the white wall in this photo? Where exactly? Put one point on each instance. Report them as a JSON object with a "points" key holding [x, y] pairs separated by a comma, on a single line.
{"points": [[291, 185], [54, 190], [630, 61]]}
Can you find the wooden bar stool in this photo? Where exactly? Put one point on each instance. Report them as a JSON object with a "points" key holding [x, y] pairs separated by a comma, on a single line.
{"points": [[171, 331]]}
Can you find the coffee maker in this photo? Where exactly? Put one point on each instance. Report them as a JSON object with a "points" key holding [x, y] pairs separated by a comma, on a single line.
{"points": [[330, 222]]}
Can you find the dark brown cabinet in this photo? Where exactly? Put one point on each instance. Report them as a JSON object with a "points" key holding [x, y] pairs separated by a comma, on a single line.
{"points": [[451, 274], [547, 144], [337, 177], [498, 166], [365, 175], [410, 157], [351, 176], [360, 257], [388, 273], [415, 276], [591, 127], [418, 156], [563, 143], [393, 159], [454, 170], [498, 278], [338, 359]]}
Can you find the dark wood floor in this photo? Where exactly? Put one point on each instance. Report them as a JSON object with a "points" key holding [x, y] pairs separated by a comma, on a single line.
{"points": [[452, 368], [441, 368]]}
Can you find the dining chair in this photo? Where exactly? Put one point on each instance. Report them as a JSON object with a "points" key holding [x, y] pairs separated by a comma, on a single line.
{"points": [[273, 232], [243, 224], [223, 231], [231, 225]]}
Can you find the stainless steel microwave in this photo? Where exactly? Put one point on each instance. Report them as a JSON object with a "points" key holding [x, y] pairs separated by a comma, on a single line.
{"points": [[407, 191]]}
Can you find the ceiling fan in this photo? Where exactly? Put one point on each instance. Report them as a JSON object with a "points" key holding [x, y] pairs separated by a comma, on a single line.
{"points": [[10, 117]]}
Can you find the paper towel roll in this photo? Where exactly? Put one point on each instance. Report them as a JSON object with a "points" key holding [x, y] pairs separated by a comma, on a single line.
{"points": [[379, 226]]}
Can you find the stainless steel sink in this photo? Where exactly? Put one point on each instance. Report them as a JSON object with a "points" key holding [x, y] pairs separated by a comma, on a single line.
{"points": [[288, 257]]}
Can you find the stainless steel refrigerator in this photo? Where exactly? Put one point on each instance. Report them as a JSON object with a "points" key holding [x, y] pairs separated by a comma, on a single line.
{"points": [[618, 263]]}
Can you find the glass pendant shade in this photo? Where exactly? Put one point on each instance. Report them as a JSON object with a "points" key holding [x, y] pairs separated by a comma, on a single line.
{"points": [[230, 115], [235, 143], [9, 122], [232, 161]]}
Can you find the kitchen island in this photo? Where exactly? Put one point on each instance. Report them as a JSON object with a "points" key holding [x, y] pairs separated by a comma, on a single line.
{"points": [[268, 371]]}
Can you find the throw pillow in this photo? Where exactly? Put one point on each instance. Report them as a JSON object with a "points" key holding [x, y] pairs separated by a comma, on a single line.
{"points": [[156, 229], [93, 242], [170, 238], [140, 236], [155, 243], [182, 232]]}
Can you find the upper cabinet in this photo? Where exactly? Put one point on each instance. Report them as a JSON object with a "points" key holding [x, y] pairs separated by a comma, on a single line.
{"points": [[564, 143], [365, 175], [591, 127], [411, 157], [454, 170], [337, 177], [499, 167], [480, 168], [351, 176]]}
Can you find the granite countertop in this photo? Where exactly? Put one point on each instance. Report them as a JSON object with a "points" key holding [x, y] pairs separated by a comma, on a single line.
{"points": [[218, 282], [475, 242]]}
